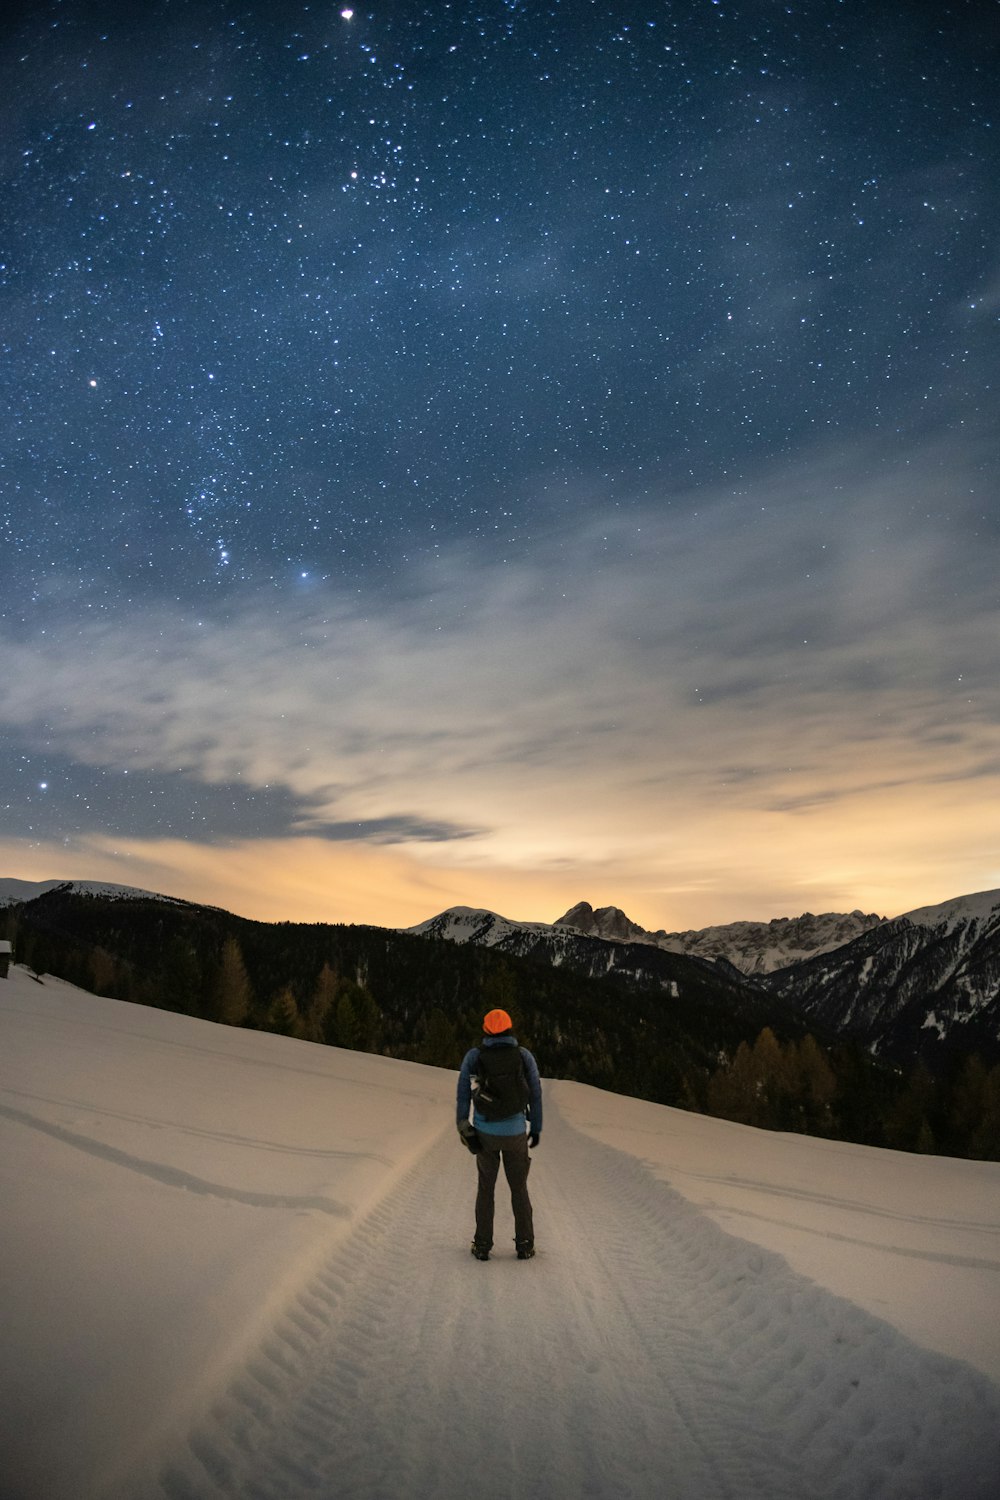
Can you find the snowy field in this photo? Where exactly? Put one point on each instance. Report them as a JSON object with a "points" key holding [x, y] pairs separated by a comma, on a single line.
{"points": [[237, 1265]]}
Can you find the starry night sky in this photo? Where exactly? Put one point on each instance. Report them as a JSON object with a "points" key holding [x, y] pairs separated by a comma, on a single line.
{"points": [[505, 454]]}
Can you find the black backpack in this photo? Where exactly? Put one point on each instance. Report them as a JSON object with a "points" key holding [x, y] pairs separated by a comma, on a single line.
{"points": [[502, 1083]]}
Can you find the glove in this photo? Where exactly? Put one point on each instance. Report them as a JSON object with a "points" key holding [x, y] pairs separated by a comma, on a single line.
{"points": [[533, 1139], [467, 1135]]}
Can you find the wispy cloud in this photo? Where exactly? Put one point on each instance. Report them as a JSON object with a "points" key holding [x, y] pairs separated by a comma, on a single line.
{"points": [[635, 683]]}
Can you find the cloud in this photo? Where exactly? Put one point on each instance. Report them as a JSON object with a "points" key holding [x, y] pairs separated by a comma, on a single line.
{"points": [[45, 795], [399, 830], [629, 688]]}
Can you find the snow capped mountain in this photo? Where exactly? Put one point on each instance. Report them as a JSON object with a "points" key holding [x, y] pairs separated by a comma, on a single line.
{"points": [[763, 947], [928, 978], [642, 965], [14, 891], [751, 947], [983, 906], [470, 924], [547, 943], [921, 984]]}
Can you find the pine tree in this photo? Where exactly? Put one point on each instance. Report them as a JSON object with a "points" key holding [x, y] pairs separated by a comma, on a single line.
{"points": [[498, 988], [369, 1020], [968, 1104], [358, 1024], [348, 1029], [10, 926], [985, 1142], [180, 981], [441, 1046], [908, 1126], [283, 1013]]}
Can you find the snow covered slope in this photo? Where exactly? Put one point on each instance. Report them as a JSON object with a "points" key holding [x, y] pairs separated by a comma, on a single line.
{"points": [[236, 1264]]}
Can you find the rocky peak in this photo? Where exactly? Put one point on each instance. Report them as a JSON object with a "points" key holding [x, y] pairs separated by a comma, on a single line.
{"points": [[605, 922]]}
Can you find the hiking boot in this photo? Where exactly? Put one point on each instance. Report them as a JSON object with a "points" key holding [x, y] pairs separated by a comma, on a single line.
{"points": [[481, 1252], [525, 1249]]}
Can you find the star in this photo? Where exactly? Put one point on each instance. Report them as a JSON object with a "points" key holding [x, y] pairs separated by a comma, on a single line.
{"points": [[434, 304]]}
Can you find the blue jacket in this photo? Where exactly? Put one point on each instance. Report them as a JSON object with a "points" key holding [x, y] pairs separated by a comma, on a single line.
{"points": [[514, 1124]]}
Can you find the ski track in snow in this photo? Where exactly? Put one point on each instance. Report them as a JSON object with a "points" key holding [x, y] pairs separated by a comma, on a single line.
{"points": [[690, 1364]]}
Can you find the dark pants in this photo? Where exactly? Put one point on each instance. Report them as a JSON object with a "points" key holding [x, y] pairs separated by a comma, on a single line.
{"points": [[516, 1163]]}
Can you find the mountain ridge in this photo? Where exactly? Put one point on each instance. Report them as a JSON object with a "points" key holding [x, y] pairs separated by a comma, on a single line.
{"points": [[751, 947], [932, 973], [13, 891], [923, 984]]}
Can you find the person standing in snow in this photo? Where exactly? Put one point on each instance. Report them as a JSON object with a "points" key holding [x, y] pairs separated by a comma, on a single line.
{"points": [[499, 1082]]}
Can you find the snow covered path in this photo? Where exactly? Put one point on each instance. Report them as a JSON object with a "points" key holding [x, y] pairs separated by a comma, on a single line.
{"points": [[234, 1264], [644, 1352]]}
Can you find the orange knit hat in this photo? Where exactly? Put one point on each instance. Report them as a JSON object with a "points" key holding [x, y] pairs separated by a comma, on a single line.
{"points": [[497, 1021]]}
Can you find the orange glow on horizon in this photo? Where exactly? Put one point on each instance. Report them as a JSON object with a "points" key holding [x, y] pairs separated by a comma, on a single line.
{"points": [[876, 852]]}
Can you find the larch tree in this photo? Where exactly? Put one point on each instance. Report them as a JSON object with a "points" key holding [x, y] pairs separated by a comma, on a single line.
{"points": [[233, 995]]}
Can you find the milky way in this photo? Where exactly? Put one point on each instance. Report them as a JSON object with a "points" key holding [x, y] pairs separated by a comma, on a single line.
{"points": [[360, 349]]}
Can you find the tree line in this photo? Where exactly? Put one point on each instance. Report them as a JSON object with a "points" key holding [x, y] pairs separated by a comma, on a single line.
{"points": [[799, 1086]]}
